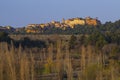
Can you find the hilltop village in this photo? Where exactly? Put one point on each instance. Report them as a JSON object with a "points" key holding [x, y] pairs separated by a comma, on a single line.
{"points": [[69, 23], [63, 25]]}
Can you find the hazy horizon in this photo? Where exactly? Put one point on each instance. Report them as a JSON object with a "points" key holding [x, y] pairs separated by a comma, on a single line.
{"points": [[20, 13]]}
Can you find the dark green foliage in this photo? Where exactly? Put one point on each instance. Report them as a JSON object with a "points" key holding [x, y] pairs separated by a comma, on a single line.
{"points": [[72, 42], [3, 34], [4, 37], [113, 37], [27, 42], [97, 39]]}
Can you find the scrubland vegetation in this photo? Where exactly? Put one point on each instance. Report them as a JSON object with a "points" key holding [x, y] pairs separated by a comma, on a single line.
{"points": [[79, 57]]}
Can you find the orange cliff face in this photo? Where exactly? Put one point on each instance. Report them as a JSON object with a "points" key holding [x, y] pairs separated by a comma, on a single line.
{"points": [[91, 21], [74, 21]]}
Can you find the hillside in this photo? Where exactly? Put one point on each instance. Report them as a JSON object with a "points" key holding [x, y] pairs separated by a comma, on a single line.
{"points": [[66, 27]]}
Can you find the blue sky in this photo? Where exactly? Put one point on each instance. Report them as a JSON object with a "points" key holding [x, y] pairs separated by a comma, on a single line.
{"points": [[19, 13]]}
